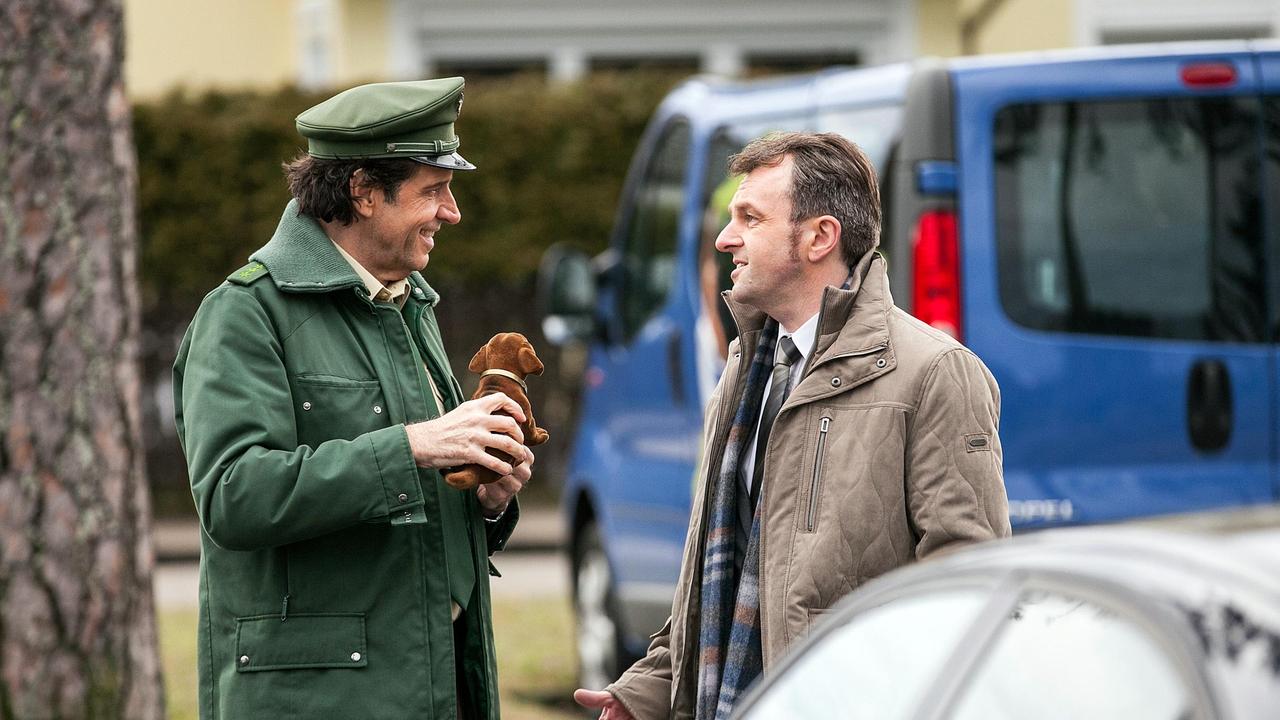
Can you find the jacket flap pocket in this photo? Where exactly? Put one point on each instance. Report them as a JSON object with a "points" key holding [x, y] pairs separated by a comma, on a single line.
{"points": [[329, 408], [304, 640]]}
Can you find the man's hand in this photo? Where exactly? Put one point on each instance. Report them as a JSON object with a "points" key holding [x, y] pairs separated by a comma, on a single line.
{"points": [[604, 701], [494, 496], [463, 435]]}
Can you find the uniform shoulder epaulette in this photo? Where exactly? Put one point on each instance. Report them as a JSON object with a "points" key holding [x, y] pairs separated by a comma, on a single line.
{"points": [[250, 273]]}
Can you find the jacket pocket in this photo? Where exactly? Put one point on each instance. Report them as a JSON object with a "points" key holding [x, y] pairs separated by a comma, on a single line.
{"points": [[815, 479], [815, 616], [329, 408], [304, 640]]}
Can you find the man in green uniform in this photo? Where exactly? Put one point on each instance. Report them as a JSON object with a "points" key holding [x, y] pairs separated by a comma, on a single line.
{"points": [[340, 577]]}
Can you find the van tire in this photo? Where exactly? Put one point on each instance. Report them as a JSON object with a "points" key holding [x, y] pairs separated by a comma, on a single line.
{"points": [[598, 634]]}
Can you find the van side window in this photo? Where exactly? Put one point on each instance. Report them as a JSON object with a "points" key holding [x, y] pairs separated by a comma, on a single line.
{"points": [[648, 261], [1138, 218], [874, 128], [1271, 126]]}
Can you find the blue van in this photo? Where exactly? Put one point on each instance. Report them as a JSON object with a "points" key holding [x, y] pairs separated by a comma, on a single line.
{"points": [[1100, 226]]}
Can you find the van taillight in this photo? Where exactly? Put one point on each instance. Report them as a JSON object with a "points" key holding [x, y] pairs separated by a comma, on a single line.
{"points": [[1208, 75], [935, 284]]}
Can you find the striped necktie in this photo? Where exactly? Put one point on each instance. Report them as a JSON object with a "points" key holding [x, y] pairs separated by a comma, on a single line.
{"points": [[779, 388]]}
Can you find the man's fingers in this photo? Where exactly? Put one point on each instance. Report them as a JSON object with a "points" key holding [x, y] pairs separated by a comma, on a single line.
{"points": [[506, 445], [595, 699], [484, 459], [506, 425], [528, 456], [500, 401], [521, 473]]}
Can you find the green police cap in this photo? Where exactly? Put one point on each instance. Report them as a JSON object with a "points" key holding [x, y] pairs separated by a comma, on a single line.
{"points": [[411, 120]]}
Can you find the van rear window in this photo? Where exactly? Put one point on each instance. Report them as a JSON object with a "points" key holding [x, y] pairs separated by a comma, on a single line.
{"points": [[1136, 217]]}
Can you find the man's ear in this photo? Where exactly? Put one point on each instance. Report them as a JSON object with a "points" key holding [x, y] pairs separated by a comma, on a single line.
{"points": [[480, 362], [362, 192], [826, 238], [529, 362]]}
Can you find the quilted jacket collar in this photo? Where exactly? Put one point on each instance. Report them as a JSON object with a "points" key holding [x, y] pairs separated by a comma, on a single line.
{"points": [[851, 321]]}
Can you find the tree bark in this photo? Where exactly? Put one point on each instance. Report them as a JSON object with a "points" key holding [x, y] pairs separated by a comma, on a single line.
{"points": [[77, 626]]}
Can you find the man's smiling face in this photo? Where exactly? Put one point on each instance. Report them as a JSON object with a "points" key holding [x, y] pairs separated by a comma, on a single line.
{"points": [[401, 233], [761, 238]]}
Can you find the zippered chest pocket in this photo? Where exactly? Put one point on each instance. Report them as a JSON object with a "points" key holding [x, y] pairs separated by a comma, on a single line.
{"points": [[815, 478], [852, 471]]}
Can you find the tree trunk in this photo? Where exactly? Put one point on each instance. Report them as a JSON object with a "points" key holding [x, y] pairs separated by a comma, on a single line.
{"points": [[77, 626]]}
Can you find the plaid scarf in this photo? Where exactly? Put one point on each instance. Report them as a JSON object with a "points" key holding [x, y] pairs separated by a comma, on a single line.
{"points": [[729, 649]]}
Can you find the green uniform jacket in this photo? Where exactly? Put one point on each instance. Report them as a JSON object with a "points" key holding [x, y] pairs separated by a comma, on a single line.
{"points": [[324, 591]]}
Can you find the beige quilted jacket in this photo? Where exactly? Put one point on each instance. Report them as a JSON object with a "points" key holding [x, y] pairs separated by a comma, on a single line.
{"points": [[886, 452]]}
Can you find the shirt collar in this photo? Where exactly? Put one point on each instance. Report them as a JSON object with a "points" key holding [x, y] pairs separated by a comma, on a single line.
{"points": [[397, 292], [804, 335]]}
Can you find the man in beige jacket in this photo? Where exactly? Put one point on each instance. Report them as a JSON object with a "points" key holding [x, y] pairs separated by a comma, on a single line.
{"points": [[877, 435]]}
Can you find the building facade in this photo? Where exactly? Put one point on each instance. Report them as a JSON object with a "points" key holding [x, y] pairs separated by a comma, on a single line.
{"points": [[323, 44]]}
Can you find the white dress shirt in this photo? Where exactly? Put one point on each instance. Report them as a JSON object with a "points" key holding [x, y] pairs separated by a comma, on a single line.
{"points": [[803, 337]]}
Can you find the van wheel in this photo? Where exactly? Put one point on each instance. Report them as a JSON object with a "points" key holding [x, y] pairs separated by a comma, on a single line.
{"points": [[598, 634]]}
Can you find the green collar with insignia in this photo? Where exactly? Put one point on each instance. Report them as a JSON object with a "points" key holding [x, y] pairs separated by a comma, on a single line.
{"points": [[301, 258]]}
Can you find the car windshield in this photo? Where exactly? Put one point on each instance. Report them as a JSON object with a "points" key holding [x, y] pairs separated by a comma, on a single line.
{"points": [[875, 666], [1059, 657]]}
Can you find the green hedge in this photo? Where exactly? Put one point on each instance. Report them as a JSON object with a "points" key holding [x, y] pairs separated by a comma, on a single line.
{"points": [[551, 164]]}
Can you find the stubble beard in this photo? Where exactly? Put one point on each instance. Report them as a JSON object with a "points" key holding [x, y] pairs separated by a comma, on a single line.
{"points": [[770, 299]]}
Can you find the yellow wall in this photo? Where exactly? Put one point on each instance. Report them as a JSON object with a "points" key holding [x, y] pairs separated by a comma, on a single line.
{"points": [[938, 27], [363, 51], [208, 43], [233, 44], [1017, 25]]}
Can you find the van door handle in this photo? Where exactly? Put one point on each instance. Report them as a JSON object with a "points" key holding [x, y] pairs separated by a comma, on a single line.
{"points": [[1209, 410], [674, 368]]}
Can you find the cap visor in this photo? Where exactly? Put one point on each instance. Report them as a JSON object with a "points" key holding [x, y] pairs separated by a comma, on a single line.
{"points": [[452, 161]]}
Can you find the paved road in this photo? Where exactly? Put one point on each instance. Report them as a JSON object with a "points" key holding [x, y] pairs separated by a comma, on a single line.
{"points": [[529, 574]]}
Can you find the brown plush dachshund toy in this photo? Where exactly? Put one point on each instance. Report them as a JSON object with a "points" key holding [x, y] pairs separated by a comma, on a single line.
{"points": [[503, 363]]}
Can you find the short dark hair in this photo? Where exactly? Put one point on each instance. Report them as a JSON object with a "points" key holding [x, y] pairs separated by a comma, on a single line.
{"points": [[829, 176], [323, 187]]}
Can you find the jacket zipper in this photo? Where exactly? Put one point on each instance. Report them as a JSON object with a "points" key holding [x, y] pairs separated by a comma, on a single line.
{"points": [[817, 474]]}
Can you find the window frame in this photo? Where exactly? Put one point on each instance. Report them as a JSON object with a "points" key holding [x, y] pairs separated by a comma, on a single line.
{"points": [[1167, 632], [1013, 299], [996, 585], [633, 195]]}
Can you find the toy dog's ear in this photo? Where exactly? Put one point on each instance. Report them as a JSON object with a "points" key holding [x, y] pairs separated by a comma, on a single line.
{"points": [[529, 362], [480, 362]]}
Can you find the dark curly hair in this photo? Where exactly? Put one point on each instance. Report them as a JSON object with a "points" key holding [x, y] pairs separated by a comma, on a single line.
{"points": [[323, 187]]}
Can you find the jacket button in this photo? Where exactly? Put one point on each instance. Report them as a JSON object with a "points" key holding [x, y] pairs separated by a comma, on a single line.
{"points": [[403, 497], [881, 363], [835, 382], [355, 657], [306, 405], [377, 409], [417, 292], [244, 659]]}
